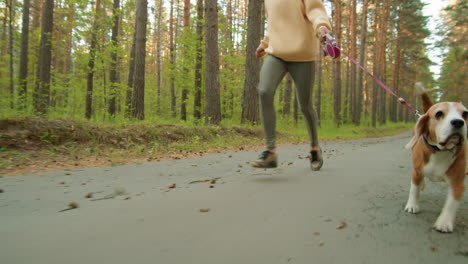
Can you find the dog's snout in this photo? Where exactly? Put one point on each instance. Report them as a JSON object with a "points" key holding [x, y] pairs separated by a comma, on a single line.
{"points": [[457, 123]]}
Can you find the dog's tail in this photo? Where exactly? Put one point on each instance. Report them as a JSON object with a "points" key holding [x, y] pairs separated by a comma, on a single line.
{"points": [[427, 103], [426, 100]]}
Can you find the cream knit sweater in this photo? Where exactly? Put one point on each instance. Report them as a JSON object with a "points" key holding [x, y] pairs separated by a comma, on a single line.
{"points": [[292, 29]]}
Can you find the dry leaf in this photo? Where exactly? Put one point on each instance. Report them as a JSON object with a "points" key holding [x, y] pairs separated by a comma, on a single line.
{"points": [[172, 186], [204, 210], [341, 226], [89, 195]]}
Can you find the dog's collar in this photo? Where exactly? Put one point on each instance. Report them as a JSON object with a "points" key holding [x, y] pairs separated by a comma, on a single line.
{"points": [[433, 147], [436, 148]]}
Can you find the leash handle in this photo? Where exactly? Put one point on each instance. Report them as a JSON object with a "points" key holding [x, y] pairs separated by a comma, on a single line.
{"points": [[330, 47]]}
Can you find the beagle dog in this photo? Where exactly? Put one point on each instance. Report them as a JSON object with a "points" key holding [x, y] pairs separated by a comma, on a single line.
{"points": [[439, 153]]}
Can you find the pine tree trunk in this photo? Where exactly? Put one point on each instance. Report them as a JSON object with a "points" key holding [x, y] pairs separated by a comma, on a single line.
{"points": [[131, 77], [353, 88], [42, 89], [184, 96], [158, 55], [138, 97], [383, 61], [10, 52], [362, 50], [91, 62], [212, 95], [23, 71], [172, 57], [67, 58], [198, 63], [252, 64], [114, 76], [337, 65]]}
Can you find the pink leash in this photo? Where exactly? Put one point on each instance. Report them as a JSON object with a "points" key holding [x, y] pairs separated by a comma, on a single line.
{"points": [[330, 47]]}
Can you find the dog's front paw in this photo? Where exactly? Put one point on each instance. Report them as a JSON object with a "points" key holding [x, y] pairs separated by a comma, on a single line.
{"points": [[412, 207], [444, 224]]}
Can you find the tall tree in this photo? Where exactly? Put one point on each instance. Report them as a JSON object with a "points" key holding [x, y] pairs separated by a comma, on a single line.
{"points": [[184, 96], [353, 52], [212, 95], [91, 61], [42, 88], [114, 75], [23, 71], [252, 64], [337, 64], [158, 53], [11, 9], [197, 104], [131, 77], [138, 97], [172, 56], [362, 52]]}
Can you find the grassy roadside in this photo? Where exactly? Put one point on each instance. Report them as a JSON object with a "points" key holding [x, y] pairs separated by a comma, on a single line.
{"points": [[30, 144]]}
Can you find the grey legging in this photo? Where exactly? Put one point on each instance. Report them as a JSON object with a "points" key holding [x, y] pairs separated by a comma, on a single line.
{"points": [[273, 71]]}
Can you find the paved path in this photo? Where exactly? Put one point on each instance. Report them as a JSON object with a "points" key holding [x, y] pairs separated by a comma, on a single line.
{"points": [[284, 215]]}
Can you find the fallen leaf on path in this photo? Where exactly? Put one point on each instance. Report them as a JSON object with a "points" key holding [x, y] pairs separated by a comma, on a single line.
{"points": [[72, 205], [172, 186], [204, 210], [317, 233], [433, 248], [341, 226], [321, 244], [89, 195]]}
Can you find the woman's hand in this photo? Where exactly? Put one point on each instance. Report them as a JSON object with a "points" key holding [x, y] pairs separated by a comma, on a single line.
{"points": [[322, 32], [259, 52]]}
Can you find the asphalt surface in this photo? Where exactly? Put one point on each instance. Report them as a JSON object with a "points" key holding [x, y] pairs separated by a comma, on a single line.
{"points": [[349, 212]]}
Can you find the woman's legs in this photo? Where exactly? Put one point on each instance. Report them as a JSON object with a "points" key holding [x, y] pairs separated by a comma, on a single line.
{"points": [[303, 74], [271, 74]]}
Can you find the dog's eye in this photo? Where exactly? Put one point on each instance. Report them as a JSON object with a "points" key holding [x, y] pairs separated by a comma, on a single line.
{"points": [[439, 114], [465, 115]]}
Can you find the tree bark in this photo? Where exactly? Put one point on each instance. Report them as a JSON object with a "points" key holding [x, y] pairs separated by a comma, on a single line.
{"points": [[158, 55], [172, 57], [212, 95], [114, 76], [197, 105], [138, 97], [23, 71], [337, 65], [184, 95], [362, 50], [91, 62], [11, 52], [42, 89], [131, 77], [252, 64], [352, 41]]}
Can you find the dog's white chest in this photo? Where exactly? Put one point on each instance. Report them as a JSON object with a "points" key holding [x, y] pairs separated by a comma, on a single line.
{"points": [[438, 165]]}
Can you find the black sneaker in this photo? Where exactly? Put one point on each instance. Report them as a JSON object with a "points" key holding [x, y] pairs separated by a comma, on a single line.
{"points": [[266, 160], [316, 160]]}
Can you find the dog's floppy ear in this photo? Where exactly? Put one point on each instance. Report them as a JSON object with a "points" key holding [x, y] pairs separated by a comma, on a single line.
{"points": [[421, 128]]}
